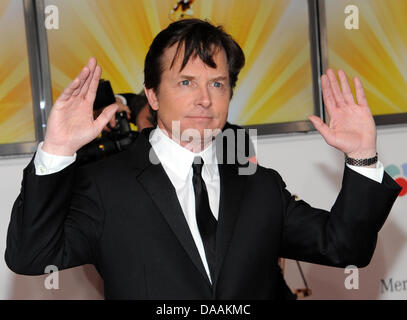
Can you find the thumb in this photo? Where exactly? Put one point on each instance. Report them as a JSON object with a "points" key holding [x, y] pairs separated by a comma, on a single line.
{"points": [[105, 116], [322, 128]]}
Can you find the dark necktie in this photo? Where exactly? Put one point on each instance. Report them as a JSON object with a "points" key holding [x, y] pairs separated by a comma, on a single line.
{"points": [[204, 217]]}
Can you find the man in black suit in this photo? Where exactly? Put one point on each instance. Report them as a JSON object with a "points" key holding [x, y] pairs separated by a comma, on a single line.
{"points": [[169, 218]]}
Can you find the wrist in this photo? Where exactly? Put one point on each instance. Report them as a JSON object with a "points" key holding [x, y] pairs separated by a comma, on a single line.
{"points": [[57, 150]]}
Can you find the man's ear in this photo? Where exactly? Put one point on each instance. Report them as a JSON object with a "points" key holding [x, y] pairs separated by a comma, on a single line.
{"points": [[152, 98]]}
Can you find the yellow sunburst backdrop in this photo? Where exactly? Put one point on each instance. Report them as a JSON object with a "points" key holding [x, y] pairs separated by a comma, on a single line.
{"points": [[376, 52], [274, 86], [16, 111]]}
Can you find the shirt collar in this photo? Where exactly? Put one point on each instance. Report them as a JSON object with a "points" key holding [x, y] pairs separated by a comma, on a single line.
{"points": [[179, 159]]}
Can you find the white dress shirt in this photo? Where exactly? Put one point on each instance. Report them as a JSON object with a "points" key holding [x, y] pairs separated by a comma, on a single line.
{"points": [[177, 163]]}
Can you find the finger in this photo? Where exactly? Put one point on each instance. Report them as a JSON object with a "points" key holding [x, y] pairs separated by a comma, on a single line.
{"points": [[128, 111], [360, 92], [123, 107], [327, 94], [347, 92], [93, 87], [69, 91], [340, 102], [322, 128], [112, 121], [105, 117], [82, 81], [92, 66]]}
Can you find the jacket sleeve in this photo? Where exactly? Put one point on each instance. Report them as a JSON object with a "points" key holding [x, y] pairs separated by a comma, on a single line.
{"points": [[56, 220], [346, 235]]}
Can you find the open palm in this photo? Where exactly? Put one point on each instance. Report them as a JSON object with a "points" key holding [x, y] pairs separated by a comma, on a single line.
{"points": [[71, 124], [351, 125]]}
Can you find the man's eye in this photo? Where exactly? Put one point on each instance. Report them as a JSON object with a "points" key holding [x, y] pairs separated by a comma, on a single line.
{"points": [[185, 82], [217, 84]]}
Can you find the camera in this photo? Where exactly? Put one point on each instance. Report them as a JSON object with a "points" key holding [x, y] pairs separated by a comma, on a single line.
{"points": [[122, 128], [118, 139]]}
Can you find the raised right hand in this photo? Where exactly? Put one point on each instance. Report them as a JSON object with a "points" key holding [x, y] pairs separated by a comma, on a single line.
{"points": [[71, 124]]}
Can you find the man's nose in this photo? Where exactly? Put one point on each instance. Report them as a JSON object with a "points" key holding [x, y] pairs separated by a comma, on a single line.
{"points": [[204, 97]]}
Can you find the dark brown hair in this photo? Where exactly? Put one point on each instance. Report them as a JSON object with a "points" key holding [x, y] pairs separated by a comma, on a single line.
{"points": [[198, 38]]}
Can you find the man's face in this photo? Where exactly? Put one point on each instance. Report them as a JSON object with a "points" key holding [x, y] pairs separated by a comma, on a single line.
{"points": [[197, 96]]}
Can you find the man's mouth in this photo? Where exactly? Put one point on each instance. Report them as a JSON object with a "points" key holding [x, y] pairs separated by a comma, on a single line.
{"points": [[200, 117]]}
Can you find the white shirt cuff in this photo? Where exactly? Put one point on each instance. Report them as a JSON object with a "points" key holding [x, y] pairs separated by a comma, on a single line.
{"points": [[46, 163], [375, 174]]}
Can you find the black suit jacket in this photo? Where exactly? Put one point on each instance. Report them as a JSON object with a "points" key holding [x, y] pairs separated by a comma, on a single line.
{"points": [[122, 215]]}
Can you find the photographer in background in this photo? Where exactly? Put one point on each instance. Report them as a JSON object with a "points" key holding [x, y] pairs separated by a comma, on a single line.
{"points": [[140, 110], [135, 106], [119, 133]]}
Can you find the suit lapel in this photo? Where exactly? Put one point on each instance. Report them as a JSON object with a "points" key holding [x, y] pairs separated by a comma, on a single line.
{"points": [[156, 183], [231, 191]]}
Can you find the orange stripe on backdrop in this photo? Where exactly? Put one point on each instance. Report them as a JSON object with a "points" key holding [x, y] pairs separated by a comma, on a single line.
{"points": [[16, 112], [273, 34]]}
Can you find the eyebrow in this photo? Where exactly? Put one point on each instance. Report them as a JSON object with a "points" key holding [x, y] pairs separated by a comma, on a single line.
{"points": [[220, 78], [184, 76]]}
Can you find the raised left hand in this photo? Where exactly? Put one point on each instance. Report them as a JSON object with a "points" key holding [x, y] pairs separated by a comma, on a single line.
{"points": [[351, 129]]}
